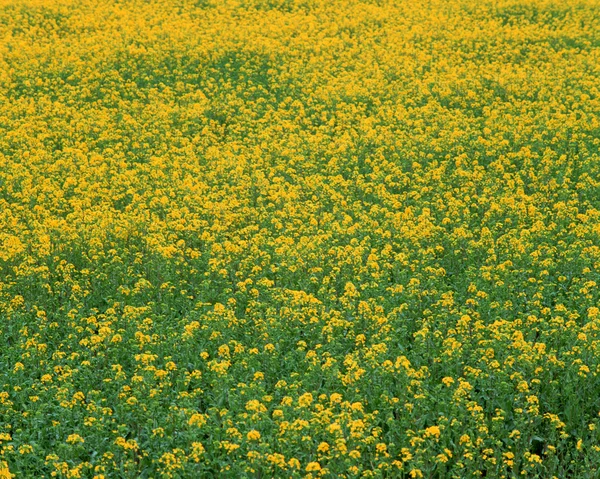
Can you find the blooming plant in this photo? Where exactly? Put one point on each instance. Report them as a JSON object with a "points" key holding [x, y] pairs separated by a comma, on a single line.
{"points": [[299, 238]]}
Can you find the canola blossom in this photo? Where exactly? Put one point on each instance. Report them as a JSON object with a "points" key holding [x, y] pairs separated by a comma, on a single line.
{"points": [[299, 238]]}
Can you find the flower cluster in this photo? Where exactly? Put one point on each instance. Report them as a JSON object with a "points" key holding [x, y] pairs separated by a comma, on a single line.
{"points": [[299, 238]]}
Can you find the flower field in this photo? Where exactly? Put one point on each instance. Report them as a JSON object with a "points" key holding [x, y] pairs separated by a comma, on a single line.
{"points": [[299, 238]]}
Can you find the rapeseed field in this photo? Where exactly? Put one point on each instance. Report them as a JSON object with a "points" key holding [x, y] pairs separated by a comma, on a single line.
{"points": [[299, 239]]}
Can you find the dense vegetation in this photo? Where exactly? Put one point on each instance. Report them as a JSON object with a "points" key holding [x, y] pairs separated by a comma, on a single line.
{"points": [[299, 238]]}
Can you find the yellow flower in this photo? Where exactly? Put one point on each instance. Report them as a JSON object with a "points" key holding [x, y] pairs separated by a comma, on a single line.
{"points": [[224, 350], [535, 458], [313, 467], [448, 381], [25, 449], [277, 459], [75, 439], [255, 406], [523, 386], [253, 435], [170, 366], [127, 444], [323, 447], [5, 471], [197, 419], [305, 400]]}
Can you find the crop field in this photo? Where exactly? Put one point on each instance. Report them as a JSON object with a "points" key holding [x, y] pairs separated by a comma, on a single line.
{"points": [[299, 239]]}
